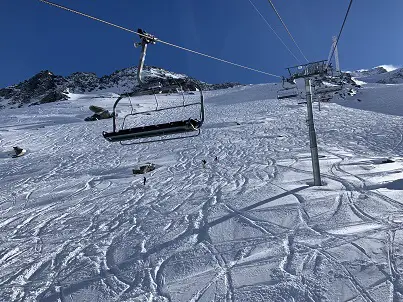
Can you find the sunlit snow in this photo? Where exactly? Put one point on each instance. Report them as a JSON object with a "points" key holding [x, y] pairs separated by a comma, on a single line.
{"points": [[77, 225]]}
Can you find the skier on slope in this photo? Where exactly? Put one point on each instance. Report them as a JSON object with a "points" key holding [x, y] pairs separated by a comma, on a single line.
{"points": [[144, 180], [204, 163]]}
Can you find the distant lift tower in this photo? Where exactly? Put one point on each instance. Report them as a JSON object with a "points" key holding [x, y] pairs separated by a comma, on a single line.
{"points": [[307, 71], [336, 54]]}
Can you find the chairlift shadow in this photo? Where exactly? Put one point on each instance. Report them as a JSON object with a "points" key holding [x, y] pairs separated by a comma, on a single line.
{"points": [[6, 154], [255, 205], [11, 154]]}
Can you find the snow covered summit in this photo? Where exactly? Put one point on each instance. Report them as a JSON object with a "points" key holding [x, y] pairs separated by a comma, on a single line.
{"points": [[368, 72], [384, 74], [391, 77]]}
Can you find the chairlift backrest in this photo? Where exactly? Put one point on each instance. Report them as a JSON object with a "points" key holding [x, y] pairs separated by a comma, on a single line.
{"points": [[186, 125]]}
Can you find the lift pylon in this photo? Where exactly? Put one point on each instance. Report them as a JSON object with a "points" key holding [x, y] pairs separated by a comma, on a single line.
{"points": [[307, 71]]}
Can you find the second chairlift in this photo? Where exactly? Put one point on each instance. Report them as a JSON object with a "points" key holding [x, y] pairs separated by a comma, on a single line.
{"points": [[289, 90]]}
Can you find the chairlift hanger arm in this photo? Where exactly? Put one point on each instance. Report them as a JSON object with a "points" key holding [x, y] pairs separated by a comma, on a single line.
{"points": [[146, 39]]}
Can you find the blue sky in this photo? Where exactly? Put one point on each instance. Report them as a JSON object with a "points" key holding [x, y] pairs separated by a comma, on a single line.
{"points": [[36, 36]]}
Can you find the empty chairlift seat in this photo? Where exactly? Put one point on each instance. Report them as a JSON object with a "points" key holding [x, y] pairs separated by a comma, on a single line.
{"points": [[145, 128], [287, 93], [170, 128]]}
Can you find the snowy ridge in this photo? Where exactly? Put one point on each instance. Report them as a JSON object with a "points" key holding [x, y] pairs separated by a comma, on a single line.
{"points": [[77, 225], [45, 87], [392, 77], [373, 71], [384, 74]]}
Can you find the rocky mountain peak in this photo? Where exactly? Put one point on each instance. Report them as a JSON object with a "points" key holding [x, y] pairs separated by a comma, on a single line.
{"points": [[45, 87], [368, 72]]}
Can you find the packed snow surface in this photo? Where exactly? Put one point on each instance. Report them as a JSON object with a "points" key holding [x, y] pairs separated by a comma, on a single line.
{"points": [[77, 225]]}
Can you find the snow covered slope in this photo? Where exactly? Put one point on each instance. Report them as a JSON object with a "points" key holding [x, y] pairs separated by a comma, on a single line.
{"points": [[77, 225], [387, 99]]}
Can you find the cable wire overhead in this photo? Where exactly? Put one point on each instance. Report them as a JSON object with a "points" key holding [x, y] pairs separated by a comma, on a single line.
{"points": [[286, 28], [158, 40], [281, 40], [341, 30]]}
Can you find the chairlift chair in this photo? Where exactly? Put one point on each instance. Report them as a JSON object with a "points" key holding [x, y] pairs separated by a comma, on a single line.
{"points": [[325, 93], [177, 129], [189, 125], [288, 92]]}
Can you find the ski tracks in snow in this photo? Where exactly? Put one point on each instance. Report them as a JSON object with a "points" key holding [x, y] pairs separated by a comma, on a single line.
{"points": [[244, 227]]}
